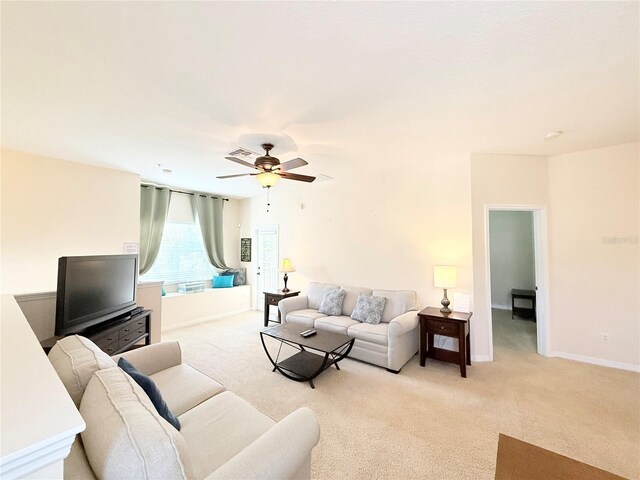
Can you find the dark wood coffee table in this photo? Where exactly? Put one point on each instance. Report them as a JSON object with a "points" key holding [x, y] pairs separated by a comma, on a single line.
{"points": [[305, 365]]}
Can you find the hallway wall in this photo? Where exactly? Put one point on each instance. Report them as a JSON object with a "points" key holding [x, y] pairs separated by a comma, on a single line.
{"points": [[512, 255]]}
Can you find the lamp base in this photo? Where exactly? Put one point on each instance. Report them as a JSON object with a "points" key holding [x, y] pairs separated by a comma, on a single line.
{"points": [[445, 303], [285, 289]]}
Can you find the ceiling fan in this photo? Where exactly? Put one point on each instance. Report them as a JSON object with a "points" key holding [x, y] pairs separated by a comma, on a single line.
{"points": [[269, 169]]}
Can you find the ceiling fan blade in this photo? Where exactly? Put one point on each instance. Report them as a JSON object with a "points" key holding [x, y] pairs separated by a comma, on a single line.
{"points": [[291, 164], [241, 162], [238, 175], [296, 176]]}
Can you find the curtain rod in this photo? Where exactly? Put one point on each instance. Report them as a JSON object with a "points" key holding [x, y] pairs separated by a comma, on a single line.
{"points": [[181, 191]]}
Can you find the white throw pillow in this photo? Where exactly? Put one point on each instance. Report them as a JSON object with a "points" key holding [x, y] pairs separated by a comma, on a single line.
{"points": [[368, 309], [331, 303]]}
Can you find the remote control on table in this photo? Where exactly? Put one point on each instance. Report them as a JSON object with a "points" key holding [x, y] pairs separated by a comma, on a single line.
{"points": [[309, 333]]}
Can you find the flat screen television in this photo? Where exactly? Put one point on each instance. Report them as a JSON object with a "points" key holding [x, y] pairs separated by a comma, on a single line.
{"points": [[94, 289]]}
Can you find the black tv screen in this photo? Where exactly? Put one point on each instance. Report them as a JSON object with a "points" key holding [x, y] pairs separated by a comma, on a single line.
{"points": [[94, 289]]}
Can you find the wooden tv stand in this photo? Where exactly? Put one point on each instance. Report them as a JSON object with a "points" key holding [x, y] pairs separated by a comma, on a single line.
{"points": [[116, 336]]}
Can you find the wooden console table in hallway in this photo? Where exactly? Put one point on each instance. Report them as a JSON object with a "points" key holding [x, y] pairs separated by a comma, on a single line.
{"points": [[528, 312]]}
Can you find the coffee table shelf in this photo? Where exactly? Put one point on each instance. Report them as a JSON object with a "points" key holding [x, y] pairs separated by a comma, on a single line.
{"points": [[304, 365]]}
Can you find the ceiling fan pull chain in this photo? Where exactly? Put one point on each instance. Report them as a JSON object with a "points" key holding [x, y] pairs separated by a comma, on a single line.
{"points": [[268, 204]]}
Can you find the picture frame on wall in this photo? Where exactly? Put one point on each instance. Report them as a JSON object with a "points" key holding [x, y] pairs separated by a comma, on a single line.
{"points": [[245, 249]]}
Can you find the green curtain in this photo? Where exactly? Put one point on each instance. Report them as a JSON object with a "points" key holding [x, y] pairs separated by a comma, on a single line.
{"points": [[209, 212], [154, 205]]}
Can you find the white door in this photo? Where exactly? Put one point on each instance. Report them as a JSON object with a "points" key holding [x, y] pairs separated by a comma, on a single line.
{"points": [[266, 262]]}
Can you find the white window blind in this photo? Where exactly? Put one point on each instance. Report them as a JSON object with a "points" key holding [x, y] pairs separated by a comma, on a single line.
{"points": [[182, 256]]}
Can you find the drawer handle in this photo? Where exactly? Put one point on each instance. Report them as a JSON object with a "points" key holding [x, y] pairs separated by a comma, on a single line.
{"points": [[126, 329], [140, 323], [109, 339], [141, 330], [442, 327], [126, 339]]}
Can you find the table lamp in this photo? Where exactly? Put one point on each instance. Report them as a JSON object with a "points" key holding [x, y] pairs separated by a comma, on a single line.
{"points": [[286, 266], [444, 277]]}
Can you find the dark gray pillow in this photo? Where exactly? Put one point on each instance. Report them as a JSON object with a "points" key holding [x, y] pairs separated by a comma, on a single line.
{"points": [[151, 390], [331, 303], [240, 275], [368, 309]]}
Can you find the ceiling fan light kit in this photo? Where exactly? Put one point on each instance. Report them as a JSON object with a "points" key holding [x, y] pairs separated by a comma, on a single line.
{"points": [[268, 179]]}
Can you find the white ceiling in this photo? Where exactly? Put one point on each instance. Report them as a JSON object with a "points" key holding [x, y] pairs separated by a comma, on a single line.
{"points": [[347, 86]]}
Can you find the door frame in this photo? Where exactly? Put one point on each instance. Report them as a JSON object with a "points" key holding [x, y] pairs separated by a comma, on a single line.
{"points": [[257, 304], [541, 253]]}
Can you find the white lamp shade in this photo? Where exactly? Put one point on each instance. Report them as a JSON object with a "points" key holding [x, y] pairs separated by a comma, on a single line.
{"points": [[286, 265], [444, 277], [268, 179]]}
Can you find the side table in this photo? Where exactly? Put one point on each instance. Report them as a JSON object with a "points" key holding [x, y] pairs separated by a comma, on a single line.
{"points": [[455, 325], [272, 298], [529, 312]]}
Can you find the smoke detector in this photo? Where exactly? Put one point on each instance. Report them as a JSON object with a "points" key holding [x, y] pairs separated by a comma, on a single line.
{"points": [[552, 135]]}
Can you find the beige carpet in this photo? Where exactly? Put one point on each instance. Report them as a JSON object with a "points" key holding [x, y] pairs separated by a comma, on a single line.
{"points": [[429, 422]]}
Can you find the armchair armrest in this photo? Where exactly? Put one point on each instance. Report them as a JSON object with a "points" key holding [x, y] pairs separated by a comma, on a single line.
{"points": [[153, 358], [403, 323], [291, 304], [295, 435]]}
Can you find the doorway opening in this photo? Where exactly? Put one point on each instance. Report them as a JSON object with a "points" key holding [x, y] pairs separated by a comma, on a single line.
{"points": [[517, 278], [266, 255]]}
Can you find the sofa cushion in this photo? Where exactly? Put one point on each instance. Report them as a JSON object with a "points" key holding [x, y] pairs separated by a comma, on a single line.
{"points": [[368, 309], [125, 437], [218, 429], [337, 324], [306, 317], [351, 297], [315, 293], [367, 332], [398, 302], [331, 303], [152, 392], [75, 359], [76, 465], [183, 387]]}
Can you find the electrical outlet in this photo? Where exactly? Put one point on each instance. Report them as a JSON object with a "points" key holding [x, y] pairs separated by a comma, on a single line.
{"points": [[605, 337]]}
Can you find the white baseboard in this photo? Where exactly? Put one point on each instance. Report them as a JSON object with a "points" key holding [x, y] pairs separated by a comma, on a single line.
{"points": [[480, 358], [203, 319], [501, 307], [596, 361]]}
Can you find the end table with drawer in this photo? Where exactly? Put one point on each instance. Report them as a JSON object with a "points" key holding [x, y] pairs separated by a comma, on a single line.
{"points": [[454, 325], [272, 298]]}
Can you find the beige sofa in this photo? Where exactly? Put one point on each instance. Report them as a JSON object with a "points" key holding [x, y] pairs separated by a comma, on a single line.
{"points": [[389, 344], [221, 435]]}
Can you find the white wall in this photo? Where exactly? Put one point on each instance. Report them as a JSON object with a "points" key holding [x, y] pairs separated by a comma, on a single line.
{"points": [[512, 255], [53, 208], [498, 180], [382, 230], [186, 309], [595, 274]]}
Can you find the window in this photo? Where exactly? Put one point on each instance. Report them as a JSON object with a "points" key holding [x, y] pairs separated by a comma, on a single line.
{"points": [[182, 256]]}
